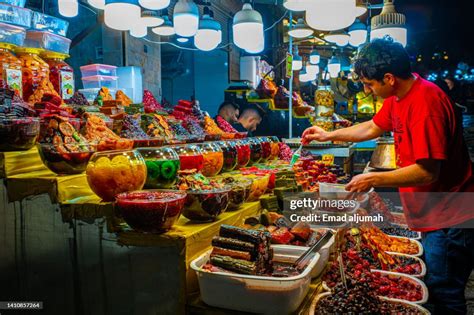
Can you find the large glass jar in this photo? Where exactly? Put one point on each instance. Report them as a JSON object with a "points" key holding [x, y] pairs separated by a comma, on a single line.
{"points": [[10, 67], [266, 148], [190, 157], [243, 153], [112, 172], [230, 155], [324, 98], [162, 166], [275, 148], [61, 74], [213, 159], [34, 69], [255, 150]]}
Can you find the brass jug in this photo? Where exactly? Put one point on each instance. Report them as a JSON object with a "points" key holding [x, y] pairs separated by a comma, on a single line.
{"points": [[384, 157]]}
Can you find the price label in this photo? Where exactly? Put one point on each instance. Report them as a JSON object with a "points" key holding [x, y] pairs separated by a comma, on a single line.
{"points": [[328, 159], [289, 65]]}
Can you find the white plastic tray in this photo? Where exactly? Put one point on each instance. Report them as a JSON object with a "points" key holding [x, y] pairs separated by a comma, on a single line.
{"points": [[412, 279], [256, 294], [422, 263], [420, 247], [312, 309]]}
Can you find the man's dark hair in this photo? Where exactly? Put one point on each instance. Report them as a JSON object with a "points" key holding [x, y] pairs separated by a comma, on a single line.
{"points": [[382, 56], [252, 107], [227, 103]]}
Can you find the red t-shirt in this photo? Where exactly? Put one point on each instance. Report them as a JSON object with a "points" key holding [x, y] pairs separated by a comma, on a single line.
{"points": [[427, 126]]}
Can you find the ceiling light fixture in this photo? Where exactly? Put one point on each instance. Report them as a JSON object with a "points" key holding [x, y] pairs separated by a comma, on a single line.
{"points": [[296, 5], [330, 15], [98, 4], [361, 7], [247, 29], [139, 30], [186, 18], [297, 63], [314, 57], [151, 18], [154, 4], [68, 8], [340, 38], [165, 29], [357, 33], [389, 23], [121, 14], [300, 30], [209, 34], [334, 67]]}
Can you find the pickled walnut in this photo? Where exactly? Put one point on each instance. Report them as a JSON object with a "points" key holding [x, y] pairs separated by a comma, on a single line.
{"points": [[34, 71]]}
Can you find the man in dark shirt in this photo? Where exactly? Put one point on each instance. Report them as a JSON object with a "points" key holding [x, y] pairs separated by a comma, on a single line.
{"points": [[250, 118]]}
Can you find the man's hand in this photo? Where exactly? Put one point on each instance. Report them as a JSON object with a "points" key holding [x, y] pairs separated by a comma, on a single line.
{"points": [[361, 183], [314, 133]]}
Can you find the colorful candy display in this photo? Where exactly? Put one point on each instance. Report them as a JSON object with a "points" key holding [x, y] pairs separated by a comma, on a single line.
{"points": [[213, 159]]}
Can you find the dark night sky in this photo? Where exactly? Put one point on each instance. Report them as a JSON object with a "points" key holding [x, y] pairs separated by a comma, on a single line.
{"points": [[440, 25]]}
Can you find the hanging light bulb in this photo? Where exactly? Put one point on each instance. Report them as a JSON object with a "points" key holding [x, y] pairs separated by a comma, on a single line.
{"points": [[139, 30], [151, 18], [330, 15], [340, 38], [296, 5], [357, 33], [165, 29], [389, 23], [247, 29], [154, 4], [314, 57], [361, 7], [68, 8], [182, 39], [121, 15], [300, 30], [304, 76], [312, 69], [334, 67], [98, 4], [297, 63], [257, 49], [186, 18], [209, 34]]}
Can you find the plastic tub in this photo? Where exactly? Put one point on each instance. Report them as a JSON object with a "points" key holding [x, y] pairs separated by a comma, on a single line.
{"points": [[338, 191], [312, 309], [324, 253], [48, 41], [48, 23], [98, 69], [11, 34], [256, 294], [99, 81], [15, 15], [421, 262]]}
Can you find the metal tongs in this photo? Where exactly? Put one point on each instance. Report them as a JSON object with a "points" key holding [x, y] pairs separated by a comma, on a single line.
{"points": [[317, 246]]}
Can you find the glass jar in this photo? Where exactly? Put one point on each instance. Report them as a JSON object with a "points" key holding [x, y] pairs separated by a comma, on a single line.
{"points": [[266, 148], [243, 153], [190, 157], [230, 155], [34, 70], [324, 123], [112, 172], [213, 159], [61, 74], [255, 150], [324, 98], [10, 67], [162, 166], [275, 148]]}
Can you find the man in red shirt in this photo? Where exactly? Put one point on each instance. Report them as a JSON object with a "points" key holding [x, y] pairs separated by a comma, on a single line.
{"points": [[434, 170]]}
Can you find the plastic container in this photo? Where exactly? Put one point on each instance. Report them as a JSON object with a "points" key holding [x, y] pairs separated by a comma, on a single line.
{"points": [[10, 67], [18, 134], [324, 253], [48, 41], [98, 69], [319, 297], [34, 70], [60, 74], [255, 294], [11, 34], [131, 79], [99, 81], [15, 15], [48, 23], [421, 262], [91, 94]]}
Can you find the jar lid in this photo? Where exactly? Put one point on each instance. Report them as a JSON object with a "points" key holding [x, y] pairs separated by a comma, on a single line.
{"points": [[7, 46], [54, 55], [28, 50]]}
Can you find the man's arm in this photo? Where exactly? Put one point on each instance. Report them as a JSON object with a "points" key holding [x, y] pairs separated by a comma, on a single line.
{"points": [[361, 132], [424, 172]]}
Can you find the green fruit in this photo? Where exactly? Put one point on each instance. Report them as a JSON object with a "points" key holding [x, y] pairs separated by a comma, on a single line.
{"points": [[169, 169], [153, 168]]}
